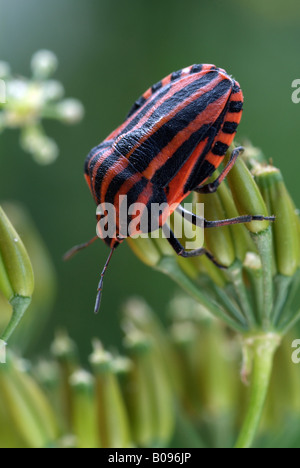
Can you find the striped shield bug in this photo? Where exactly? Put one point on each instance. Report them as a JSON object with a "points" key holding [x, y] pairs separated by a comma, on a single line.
{"points": [[173, 139]]}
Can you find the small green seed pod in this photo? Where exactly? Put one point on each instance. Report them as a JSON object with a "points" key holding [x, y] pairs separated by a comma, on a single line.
{"points": [[84, 421], [240, 235], [27, 405], [45, 279], [16, 275], [65, 352], [247, 196], [112, 416], [285, 227], [149, 395], [146, 250], [218, 240]]}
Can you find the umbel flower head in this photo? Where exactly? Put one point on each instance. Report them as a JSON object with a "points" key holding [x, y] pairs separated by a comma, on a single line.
{"points": [[27, 101], [255, 294], [256, 290], [177, 386]]}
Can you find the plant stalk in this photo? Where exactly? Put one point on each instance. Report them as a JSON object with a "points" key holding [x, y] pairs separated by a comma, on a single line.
{"points": [[263, 348], [263, 242], [19, 306]]}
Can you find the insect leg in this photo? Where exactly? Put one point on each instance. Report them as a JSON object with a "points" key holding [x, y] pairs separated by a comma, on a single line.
{"points": [[77, 248], [204, 223], [100, 285], [213, 186], [180, 250]]}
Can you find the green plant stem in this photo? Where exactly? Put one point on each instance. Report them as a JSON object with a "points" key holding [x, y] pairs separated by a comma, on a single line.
{"points": [[289, 323], [236, 277], [288, 317], [263, 348], [263, 242], [229, 304], [257, 286], [282, 286], [169, 266], [19, 305]]}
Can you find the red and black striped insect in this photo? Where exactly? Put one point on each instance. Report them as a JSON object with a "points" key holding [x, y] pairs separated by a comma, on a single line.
{"points": [[173, 139]]}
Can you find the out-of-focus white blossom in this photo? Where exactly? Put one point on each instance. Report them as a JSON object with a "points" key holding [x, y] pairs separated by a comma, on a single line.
{"points": [[43, 64], [81, 377], [53, 90], [44, 150], [29, 101], [24, 103], [70, 111]]}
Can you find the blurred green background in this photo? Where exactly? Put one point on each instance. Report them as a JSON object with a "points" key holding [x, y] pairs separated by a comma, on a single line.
{"points": [[109, 52]]}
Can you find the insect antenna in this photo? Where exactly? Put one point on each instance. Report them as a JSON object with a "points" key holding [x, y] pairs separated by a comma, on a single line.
{"points": [[77, 248], [100, 285]]}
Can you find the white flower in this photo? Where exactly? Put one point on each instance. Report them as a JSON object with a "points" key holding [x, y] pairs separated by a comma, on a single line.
{"points": [[43, 64], [43, 149], [52, 90], [47, 151], [24, 102], [70, 111], [81, 377], [17, 89]]}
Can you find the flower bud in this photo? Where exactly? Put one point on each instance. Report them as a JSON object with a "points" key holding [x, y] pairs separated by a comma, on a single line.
{"points": [[84, 421], [190, 237], [150, 399], [16, 275], [146, 250], [44, 290], [240, 235], [121, 365], [70, 111], [52, 90], [24, 103], [137, 393], [185, 337], [65, 351], [252, 155], [218, 353], [43, 64], [217, 240], [43, 149], [285, 227], [27, 405], [47, 374], [138, 315], [111, 412], [247, 196]]}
